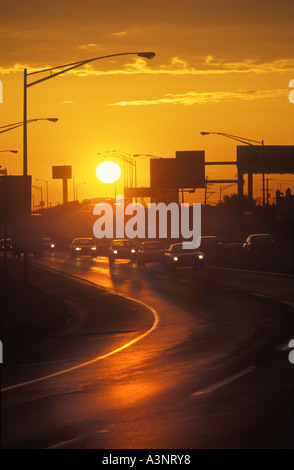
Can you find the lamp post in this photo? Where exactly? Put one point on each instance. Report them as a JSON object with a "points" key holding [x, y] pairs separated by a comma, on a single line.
{"points": [[40, 188], [136, 155], [54, 72], [45, 181], [127, 158], [246, 141]]}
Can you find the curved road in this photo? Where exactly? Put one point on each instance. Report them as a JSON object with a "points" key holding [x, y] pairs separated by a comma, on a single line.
{"points": [[200, 362]]}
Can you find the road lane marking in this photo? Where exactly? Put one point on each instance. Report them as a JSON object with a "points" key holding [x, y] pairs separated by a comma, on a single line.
{"points": [[224, 382], [75, 439], [290, 304], [257, 294], [103, 356], [250, 271]]}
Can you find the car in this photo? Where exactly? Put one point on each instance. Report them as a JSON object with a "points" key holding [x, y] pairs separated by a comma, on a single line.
{"points": [[210, 242], [149, 252], [183, 254], [48, 245], [8, 243], [83, 247], [121, 249], [259, 242]]}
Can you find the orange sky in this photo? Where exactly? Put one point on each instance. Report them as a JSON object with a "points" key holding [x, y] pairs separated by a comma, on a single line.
{"points": [[220, 66]]}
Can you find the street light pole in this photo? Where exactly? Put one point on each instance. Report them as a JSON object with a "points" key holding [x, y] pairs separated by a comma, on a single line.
{"points": [[25, 124], [59, 70], [246, 141], [45, 181], [127, 158]]}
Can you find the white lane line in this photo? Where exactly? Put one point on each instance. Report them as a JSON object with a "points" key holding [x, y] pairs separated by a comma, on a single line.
{"points": [[257, 294], [290, 304], [250, 271], [226, 381], [160, 275], [64, 443], [75, 439], [103, 356]]}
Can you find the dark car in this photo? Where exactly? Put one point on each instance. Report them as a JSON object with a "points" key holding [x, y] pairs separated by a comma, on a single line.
{"points": [[121, 249], [83, 247], [259, 242], [210, 242], [48, 245], [183, 254], [149, 252], [6, 244]]}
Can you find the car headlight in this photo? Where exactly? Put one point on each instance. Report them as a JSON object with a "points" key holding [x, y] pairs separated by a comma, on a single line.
{"points": [[115, 252], [78, 248], [93, 248], [52, 245], [175, 258], [133, 251]]}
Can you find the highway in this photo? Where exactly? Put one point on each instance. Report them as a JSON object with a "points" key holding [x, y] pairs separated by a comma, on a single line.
{"points": [[155, 360]]}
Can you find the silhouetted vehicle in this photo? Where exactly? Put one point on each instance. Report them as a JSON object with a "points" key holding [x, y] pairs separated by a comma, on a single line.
{"points": [[48, 245], [8, 243], [210, 242], [149, 252], [183, 254], [121, 249], [259, 242], [83, 247]]}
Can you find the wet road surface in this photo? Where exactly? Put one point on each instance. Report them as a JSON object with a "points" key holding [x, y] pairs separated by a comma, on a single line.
{"points": [[193, 361]]}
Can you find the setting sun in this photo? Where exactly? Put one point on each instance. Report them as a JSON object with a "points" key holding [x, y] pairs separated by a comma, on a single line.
{"points": [[108, 172]]}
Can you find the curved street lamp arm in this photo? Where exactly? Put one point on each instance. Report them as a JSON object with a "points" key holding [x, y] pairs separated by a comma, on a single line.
{"points": [[74, 65], [9, 127], [243, 140]]}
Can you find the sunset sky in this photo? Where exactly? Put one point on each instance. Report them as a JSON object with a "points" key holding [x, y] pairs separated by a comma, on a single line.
{"points": [[220, 65]]}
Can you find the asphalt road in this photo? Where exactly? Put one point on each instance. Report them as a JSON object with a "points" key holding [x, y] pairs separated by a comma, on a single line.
{"points": [[190, 360]]}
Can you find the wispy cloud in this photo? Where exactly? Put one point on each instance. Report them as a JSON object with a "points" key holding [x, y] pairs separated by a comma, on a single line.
{"points": [[120, 33], [72, 103], [89, 46], [205, 66], [193, 97]]}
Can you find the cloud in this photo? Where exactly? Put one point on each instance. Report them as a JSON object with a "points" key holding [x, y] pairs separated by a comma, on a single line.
{"points": [[203, 66], [68, 102], [89, 46], [193, 97]]}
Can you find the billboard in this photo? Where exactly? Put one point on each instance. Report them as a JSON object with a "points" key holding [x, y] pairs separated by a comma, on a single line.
{"points": [[266, 159], [191, 168], [61, 172], [186, 171], [15, 199]]}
